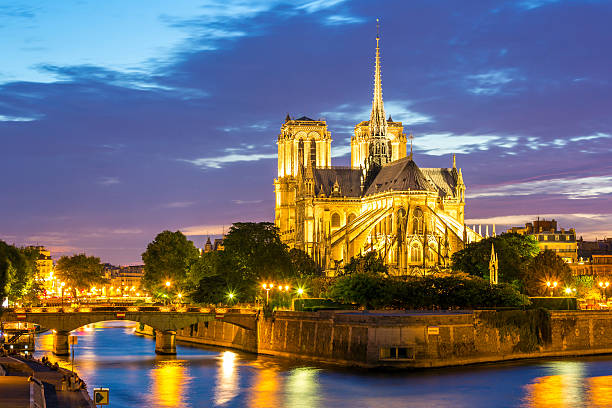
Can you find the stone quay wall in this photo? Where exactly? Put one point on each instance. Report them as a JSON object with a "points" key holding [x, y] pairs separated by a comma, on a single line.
{"points": [[412, 339]]}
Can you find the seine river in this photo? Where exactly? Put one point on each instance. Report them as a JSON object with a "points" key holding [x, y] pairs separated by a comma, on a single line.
{"points": [[110, 355]]}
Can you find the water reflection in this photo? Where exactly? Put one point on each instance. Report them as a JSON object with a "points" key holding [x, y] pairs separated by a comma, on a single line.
{"points": [[302, 388], [169, 384], [265, 390], [109, 355], [600, 391], [228, 384], [569, 387]]}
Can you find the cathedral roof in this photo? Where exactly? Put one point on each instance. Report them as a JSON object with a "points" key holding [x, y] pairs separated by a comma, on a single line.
{"points": [[444, 179], [349, 181], [306, 118], [401, 175]]}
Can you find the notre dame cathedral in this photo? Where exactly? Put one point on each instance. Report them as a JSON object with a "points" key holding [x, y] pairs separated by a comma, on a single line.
{"points": [[412, 217]]}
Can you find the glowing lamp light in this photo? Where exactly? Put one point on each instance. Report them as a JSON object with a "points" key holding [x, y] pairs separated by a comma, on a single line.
{"points": [[568, 291], [286, 287], [168, 284], [180, 295], [300, 291]]}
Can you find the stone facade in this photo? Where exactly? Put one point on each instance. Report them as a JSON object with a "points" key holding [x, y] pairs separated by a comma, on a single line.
{"points": [[399, 339]]}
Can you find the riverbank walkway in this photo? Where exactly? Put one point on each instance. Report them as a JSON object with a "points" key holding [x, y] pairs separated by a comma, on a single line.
{"points": [[49, 387]]}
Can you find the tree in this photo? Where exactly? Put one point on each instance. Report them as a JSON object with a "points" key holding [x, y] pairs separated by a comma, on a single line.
{"points": [[303, 266], [168, 258], [514, 252], [368, 263], [257, 252], [547, 267], [80, 271], [18, 273]]}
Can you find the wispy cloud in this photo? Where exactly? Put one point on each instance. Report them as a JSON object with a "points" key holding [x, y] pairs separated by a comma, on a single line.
{"points": [[439, 144], [575, 188], [204, 230], [243, 202], [318, 5], [245, 153], [492, 82], [342, 19], [533, 4], [398, 109], [108, 181], [178, 204], [8, 118]]}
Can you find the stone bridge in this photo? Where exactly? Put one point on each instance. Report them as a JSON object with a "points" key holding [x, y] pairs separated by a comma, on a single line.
{"points": [[166, 320]]}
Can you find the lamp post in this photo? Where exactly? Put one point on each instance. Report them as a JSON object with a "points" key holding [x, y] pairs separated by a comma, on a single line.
{"points": [[267, 289], [603, 286], [62, 285]]}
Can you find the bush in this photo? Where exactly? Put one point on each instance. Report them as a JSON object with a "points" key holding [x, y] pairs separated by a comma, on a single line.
{"points": [[373, 291]]}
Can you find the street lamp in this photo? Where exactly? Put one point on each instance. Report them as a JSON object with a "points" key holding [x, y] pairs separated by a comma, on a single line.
{"points": [[552, 286], [603, 286], [168, 284], [267, 289]]}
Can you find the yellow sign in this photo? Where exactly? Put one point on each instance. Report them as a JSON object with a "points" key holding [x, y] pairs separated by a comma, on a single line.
{"points": [[433, 330], [73, 340], [100, 396]]}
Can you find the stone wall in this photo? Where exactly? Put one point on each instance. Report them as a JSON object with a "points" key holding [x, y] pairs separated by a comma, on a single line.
{"points": [[412, 339]]}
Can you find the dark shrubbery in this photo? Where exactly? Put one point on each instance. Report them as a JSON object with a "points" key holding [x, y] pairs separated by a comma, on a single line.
{"points": [[375, 291]]}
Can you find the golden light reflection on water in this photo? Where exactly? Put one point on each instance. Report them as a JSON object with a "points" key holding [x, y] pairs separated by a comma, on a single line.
{"points": [[302, 388], [169, 383], [599, 391], [266, 388], [228, 383], [569, 388]]}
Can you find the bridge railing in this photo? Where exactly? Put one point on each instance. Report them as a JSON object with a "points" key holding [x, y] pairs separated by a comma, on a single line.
{"points": [[115, 309]]}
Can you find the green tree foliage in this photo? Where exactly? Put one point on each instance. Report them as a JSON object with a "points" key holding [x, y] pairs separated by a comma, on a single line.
{"points": [[545, 267], [303, 266], [80, 271], [514, 252], [210, 289], [168, 257], [18, 273], [256, 251], [378, 291], [365, 289], [368, 263]]}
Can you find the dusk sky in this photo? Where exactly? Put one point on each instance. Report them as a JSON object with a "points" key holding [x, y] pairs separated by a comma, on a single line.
{"points": [[119, 119]]}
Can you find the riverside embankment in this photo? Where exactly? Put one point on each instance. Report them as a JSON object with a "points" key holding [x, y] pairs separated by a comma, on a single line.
{"points": [[413, 339], [26, 382]]}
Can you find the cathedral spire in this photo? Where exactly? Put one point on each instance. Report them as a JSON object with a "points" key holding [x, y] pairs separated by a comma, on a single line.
{"points": [[378, 123]]}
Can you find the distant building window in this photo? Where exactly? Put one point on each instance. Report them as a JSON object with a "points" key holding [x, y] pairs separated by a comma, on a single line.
{"points": [[335, 220]]}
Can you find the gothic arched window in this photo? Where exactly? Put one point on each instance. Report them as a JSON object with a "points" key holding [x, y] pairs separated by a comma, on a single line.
{"points": [[335, 220], [415, 253], [417, 221], [351, 218]]}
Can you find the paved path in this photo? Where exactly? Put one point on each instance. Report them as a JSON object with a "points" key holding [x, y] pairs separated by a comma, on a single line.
{"points": [[14, 392]]}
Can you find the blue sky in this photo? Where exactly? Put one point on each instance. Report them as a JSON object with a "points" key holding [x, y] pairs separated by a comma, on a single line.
{"points": [[119, 119]]}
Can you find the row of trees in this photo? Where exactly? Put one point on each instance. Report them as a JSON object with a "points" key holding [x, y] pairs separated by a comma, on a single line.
{"points": [[253, 253]]}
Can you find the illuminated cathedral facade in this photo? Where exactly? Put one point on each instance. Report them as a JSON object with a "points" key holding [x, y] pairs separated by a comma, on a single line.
{"points": [[412, 217]]}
